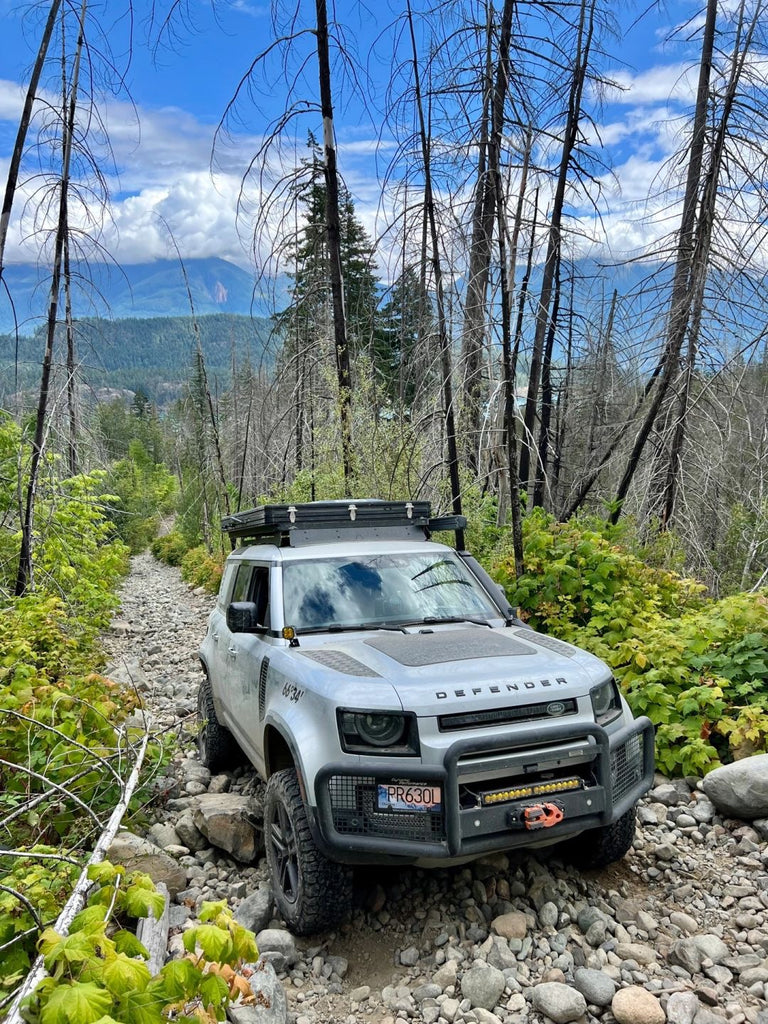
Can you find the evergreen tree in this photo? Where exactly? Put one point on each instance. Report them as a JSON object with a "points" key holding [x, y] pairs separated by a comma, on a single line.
{"points": [[308, 317], [404, 341]]}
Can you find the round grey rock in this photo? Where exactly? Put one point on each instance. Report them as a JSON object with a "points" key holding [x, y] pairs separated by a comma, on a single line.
{"points": [[740, 790], [596, 986], [482, 985], [682, 1007], [559, 1002], [277, 940]]}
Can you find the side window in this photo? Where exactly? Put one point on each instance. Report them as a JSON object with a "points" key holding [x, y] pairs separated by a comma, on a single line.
{"points": [[226, 585], [242, 583], [252, 584], [260, 595]]}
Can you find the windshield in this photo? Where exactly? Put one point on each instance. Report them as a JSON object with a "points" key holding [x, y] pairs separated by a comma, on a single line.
{"points": [[381, 590]]}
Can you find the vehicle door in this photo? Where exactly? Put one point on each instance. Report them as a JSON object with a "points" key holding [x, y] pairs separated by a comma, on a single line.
{"points": [[246, 653], [216, 646]]}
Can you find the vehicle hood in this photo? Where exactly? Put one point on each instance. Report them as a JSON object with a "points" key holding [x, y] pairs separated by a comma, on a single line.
{"points": [[463, 668]]}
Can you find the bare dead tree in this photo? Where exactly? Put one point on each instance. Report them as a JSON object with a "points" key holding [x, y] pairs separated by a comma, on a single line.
{"points": [[23, 129], [681, 296], [24, 573], [333, 230], [546, 316], [483, 215], [445, 351]]}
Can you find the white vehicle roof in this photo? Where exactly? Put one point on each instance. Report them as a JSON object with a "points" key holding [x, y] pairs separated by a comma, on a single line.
{"points": [[338, 549]]}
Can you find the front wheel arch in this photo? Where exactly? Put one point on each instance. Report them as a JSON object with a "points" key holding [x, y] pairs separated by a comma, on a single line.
{"points": [[278, 752]]}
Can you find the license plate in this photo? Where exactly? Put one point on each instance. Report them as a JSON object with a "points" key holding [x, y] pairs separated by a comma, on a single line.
{"points": [[410, 798]]}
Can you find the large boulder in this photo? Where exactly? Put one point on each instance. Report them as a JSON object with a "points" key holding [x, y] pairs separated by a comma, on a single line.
{"points": [[137, 854], [740, 790], [231, 822]]}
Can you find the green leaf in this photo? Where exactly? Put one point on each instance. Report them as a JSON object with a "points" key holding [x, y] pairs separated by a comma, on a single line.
{"points": [[126, 942], [78, 1003], [89, 920], [79, 948], [209, 911], [180, 980], [122, 974], [141, 1008], [104, 873], [245, 945], [213, 990], [215, 943], [140, 902]]}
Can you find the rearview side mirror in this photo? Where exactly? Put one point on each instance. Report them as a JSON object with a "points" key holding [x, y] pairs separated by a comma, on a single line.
{"points": [[242, 617]]}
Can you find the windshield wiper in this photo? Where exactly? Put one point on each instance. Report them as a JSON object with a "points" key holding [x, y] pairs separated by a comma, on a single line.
{"points": [[432, 620], [440, 583], [435, 620], [338, 627], [434, 565]]}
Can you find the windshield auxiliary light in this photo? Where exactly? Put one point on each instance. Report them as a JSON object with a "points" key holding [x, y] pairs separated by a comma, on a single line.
{"points": [[500, 796], [289, 633]]}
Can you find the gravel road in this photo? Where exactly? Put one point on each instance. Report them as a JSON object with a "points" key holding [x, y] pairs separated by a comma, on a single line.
{"points": [[677, 931]]}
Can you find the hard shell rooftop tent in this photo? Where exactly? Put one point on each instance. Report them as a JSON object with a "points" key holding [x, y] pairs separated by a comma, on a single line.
{"points": [[321, 521]]}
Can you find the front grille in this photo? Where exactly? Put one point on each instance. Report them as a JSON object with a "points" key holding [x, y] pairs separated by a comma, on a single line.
{"points": [[355, 812], [500, 716], [626, 766]]}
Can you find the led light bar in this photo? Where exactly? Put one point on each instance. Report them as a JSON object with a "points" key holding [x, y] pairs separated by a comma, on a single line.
{"points": [[500, 796]]}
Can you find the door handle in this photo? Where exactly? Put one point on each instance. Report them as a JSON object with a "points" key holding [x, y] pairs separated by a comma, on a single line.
{"points": [[232, 651], [215, 637]]}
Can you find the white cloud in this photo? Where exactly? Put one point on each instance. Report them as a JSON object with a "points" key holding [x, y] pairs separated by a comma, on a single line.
{"points": [[196, 209], [11, 100], [673, 83]]}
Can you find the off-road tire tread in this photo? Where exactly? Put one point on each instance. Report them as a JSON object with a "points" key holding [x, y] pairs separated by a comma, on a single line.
{"points": [[221, 748], [325, 896], [599, 847]]}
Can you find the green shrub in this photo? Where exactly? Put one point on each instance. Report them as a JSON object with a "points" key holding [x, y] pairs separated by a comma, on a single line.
{"points": [[170, 549], [697, 668], [99, 970], [143, 491], [202, 569]]}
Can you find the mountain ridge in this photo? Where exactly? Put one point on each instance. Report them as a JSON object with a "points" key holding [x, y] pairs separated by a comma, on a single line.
{"points": [[138, 291]]}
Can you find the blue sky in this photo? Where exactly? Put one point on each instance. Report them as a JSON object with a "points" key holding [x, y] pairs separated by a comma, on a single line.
{"points": [[161, 126]]}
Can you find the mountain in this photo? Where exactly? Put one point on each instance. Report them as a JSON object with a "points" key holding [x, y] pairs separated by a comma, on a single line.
{"points": [[139, 290], [155, 354]]}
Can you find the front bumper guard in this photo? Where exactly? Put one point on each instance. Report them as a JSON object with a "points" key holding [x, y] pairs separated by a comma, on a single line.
{"points": [[474, 831]]}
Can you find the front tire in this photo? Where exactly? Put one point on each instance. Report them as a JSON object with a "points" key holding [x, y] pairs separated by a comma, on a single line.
{"points": [[217, 747], [599, 847], [312, 893]]}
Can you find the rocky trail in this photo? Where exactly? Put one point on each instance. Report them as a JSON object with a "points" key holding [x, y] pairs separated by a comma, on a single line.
{"points": [[677, 931]]}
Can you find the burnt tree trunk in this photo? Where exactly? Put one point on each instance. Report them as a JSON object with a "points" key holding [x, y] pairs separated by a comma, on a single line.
{"points": [[333, 232]]}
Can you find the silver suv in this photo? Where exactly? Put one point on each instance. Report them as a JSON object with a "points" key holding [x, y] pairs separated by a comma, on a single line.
{"points": [[398, 710]]}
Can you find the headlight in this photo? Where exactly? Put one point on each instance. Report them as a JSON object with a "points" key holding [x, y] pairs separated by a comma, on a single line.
{"points": [[606, 702], [378, 732]]}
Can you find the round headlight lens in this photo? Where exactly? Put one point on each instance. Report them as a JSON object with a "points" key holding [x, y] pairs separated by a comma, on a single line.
{"points": [[605, 701], [380, 730]]}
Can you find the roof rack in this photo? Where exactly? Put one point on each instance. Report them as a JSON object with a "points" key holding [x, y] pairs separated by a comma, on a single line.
{"points": [[314, 522]]}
